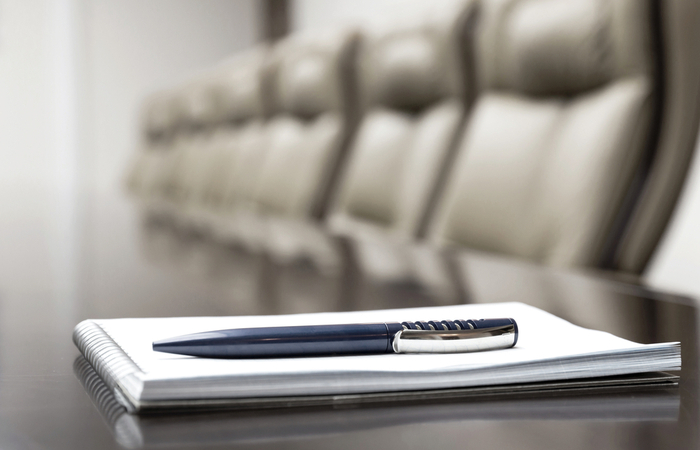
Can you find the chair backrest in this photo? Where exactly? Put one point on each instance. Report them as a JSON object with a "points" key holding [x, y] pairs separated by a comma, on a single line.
{"points": [[159, 123], [568, 107], [220, 107], [667, 169], [314, 115], [231, 93], [415, 85]]}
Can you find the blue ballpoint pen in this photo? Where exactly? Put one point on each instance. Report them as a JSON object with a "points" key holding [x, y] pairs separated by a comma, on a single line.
{"points": [[446, 336]]}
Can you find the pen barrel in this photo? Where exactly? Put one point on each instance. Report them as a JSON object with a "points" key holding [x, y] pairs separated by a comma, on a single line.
{"points": [[285, 341]]}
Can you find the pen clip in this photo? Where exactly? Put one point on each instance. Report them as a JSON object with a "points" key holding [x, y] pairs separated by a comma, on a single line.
{"points": [[455, 341]]}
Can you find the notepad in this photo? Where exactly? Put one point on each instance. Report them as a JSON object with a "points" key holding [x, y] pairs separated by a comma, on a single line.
{"points": [[548, 349]]}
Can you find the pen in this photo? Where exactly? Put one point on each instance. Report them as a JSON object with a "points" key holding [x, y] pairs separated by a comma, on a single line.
{"points": [[446, 336]]}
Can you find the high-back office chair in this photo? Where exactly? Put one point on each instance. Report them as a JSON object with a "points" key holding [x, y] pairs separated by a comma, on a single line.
{"points": [[415, 87], [288, 167], [159, 123], [248, 107], [223, 109], [666, 171], [315, 103], [568, 112]]}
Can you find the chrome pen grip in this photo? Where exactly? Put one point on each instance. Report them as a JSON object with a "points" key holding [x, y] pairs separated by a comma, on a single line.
{"points": [[455, 336]]}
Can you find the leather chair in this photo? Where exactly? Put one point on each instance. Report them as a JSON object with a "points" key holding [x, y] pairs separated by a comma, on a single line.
{"points": [[315, 116], [222, 108], [568, 115], [289, 168], [415, 85], [286, 167], [159, 123], [666, 169]]}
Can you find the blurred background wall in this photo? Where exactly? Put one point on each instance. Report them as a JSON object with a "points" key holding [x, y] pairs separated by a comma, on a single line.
{"points": [[309, 14], [132, 48], [72, 75]]}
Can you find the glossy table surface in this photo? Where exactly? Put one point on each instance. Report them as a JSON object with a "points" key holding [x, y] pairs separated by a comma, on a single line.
{"points": [[117, 267]]}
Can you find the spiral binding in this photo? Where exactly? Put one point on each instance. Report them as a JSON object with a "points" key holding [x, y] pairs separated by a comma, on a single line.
{"points": [[440, 325], [106, 357]]}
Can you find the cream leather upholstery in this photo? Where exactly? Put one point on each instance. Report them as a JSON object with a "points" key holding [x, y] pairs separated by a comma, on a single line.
{"points": [[554, 130], [246, 153], [286, 166], [232, 92], [221, 108], [680, 47], [306, 139], [160, 119], [161, 116], [563, 118], [415, 83]]}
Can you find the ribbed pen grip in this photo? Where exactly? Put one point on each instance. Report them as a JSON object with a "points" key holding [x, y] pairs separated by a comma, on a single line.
{"points": [[454, 325], [455, 336]]}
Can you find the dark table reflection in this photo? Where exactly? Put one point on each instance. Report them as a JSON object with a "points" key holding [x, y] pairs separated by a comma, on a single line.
{"points": [[50, 399]]}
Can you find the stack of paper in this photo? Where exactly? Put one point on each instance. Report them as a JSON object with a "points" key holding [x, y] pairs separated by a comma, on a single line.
{"points": [[548, 349]]}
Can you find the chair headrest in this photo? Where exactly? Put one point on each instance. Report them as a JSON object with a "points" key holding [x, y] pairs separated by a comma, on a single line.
{"points": [[160, 114], [232, 91], [561, 48], [311, 72], [418, 61]]}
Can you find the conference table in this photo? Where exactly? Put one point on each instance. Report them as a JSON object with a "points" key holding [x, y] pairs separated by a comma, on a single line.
{"points": [[50, 397]]}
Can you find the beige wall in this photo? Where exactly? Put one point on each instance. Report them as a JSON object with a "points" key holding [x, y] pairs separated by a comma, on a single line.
{"points": [[72, 76], [136, 46]]}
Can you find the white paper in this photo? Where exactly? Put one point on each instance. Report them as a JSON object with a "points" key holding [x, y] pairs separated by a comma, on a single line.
{"points": [[548, 348]]}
